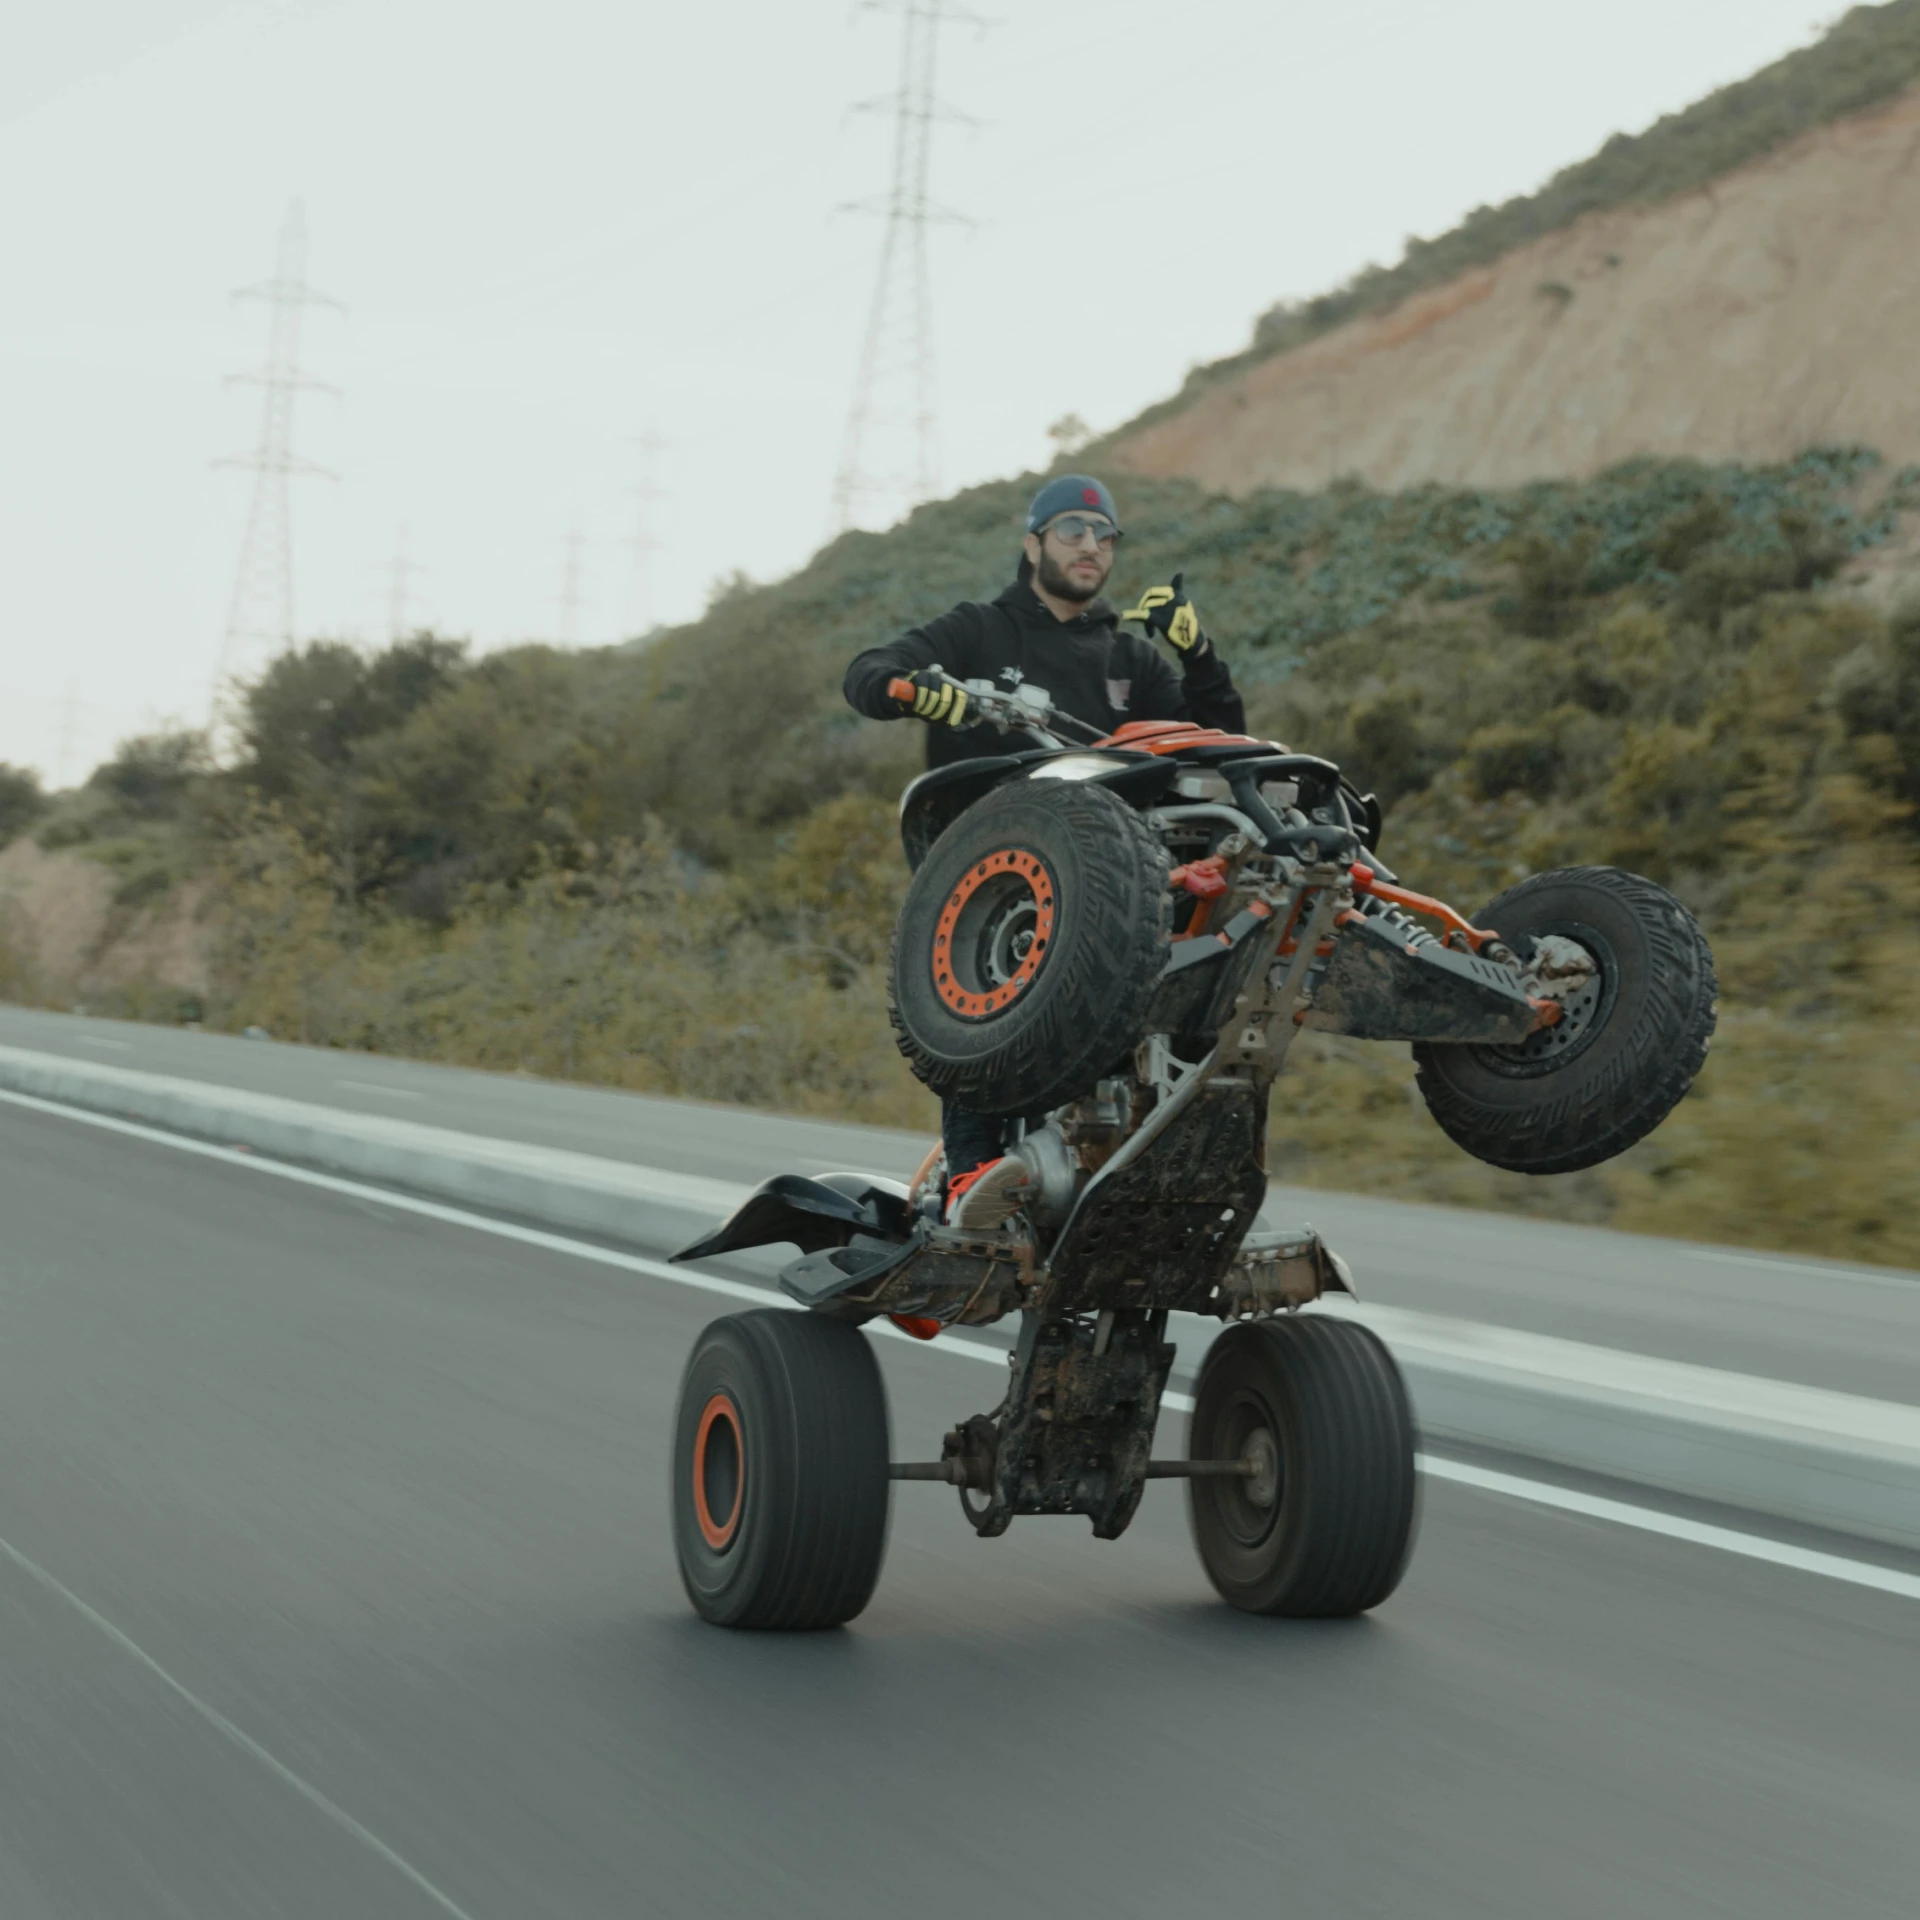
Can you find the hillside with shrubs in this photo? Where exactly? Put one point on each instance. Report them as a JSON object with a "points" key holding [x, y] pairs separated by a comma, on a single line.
{"points": [[674, 868]]}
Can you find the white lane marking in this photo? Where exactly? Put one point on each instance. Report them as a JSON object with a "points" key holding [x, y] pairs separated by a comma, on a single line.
{"points": [[1895, 1277], [404, 1202], [1541, 1493], [99, 1040], [1750, 1546], [374, 1086], [244, 1741]]}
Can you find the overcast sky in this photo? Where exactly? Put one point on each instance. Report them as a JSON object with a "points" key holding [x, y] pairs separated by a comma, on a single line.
{"points": [[557, 228]]}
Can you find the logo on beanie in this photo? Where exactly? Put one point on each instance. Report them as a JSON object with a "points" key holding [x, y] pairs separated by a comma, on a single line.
{"points": [[1090, 495]]}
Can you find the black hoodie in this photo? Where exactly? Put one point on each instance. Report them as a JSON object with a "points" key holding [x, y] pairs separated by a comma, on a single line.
{"points": [[1088, 667]]}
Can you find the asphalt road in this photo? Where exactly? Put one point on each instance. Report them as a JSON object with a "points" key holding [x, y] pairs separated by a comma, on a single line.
{"points": [[389, 1496], [1849, 1329]]}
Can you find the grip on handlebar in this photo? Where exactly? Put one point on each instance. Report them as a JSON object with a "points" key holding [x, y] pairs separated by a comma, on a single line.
{"points": [[902, 690]]}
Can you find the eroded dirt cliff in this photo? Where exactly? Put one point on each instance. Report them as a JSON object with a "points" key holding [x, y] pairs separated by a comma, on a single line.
{"points": [[63, 939], [1775, 309]]}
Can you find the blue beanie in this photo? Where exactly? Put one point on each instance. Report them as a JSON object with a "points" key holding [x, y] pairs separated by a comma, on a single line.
{"points": [[1063, 495]]}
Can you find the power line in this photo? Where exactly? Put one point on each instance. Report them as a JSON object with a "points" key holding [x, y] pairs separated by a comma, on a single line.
{"points": [[893, 392], [571, 600], [397, 569], [261, 610], [644, 543], [69, 734]]}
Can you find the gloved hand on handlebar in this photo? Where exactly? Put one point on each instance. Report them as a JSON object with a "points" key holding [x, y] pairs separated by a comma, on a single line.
{"points": [[1168, 612], [932, 697]]}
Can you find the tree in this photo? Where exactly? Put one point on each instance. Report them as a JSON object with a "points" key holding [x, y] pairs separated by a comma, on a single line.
{"points": [[314, 707], [21, 800], [150, 775], [1069, 434]]}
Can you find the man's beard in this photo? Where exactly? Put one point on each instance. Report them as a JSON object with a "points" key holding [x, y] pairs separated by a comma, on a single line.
{"points": [[1053, 579]]}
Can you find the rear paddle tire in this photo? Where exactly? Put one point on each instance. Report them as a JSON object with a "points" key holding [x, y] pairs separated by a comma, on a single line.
{"points": [[1029, 947], [1323, 1525], [780, 1481]]}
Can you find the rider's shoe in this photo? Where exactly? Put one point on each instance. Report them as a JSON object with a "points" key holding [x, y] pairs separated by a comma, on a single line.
{"points": [[986, 1198]]}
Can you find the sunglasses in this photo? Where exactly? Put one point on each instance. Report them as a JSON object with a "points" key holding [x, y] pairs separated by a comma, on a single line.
{"points": [[1074, 528]]}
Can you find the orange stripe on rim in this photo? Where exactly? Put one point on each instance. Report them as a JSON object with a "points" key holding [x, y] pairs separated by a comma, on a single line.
{"points": [[718, 1534], [1028, 867]]}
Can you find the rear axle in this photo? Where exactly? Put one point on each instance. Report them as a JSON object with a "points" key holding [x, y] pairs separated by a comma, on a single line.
{"points": [[953, 1472]]}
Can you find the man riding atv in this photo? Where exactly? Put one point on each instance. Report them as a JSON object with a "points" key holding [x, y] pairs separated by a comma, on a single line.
{"points": [[1115, 932], [1051, 627]]}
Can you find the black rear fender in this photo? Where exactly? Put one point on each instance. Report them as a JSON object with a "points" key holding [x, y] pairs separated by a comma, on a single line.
{"points": [[811, 1213]]}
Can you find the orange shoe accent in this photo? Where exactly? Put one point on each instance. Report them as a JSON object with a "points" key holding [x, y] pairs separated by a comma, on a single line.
{"points": [[955, 1188]]}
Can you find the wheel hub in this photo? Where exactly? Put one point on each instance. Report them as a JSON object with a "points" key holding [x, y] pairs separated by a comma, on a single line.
{"points": [[1577, 969], [1261, 1457], [1568, 973], [993, 933], [1576, 1011]]}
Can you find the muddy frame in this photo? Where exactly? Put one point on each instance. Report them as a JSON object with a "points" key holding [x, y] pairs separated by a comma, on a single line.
{"points": [[1151, 1216]]}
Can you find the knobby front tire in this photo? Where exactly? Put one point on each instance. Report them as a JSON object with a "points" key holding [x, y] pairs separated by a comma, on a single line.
{"points": [[1583, 1091]]}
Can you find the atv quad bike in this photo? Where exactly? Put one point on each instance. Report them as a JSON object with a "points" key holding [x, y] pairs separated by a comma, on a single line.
{"points": [[1119, 937]]}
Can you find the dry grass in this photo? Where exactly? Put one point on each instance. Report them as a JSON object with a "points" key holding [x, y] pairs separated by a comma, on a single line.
{"points": [[634, 976]]}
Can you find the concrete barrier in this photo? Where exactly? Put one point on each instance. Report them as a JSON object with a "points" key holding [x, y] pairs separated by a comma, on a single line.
{"points": [[574, 1192], [1832, 1460]]}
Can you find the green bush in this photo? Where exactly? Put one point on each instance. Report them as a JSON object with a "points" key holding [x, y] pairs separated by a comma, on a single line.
{"points": [[631, 973], [1513, 758]]}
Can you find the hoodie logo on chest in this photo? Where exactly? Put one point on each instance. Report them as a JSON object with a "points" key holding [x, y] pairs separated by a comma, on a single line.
{"points": [[1119, 692], [1012, 676]]}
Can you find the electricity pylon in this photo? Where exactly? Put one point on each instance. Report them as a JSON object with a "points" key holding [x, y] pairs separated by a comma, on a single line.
{"points": [[261, 610], [894, 388]]}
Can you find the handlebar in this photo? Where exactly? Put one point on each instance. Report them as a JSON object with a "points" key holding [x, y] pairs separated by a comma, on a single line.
{"points": [[1008, 711]]}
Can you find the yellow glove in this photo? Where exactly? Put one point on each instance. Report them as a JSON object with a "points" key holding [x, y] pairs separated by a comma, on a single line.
{"points": [[932, 697], [1168, 612]]}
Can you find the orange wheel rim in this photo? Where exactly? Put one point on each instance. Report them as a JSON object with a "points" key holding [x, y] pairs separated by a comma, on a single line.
{"points": [[719, 1413], [1021, 891]]}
